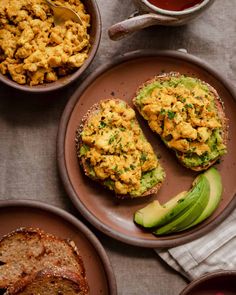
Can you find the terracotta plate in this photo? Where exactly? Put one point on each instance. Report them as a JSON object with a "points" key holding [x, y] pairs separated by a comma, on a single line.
{"points": [[15, 214], [217, 283], [121, 79]]}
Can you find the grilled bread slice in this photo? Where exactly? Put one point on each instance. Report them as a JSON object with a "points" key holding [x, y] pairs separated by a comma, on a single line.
{"points": [[113, 150], [188, 115], [50, 282], [26, 251]]}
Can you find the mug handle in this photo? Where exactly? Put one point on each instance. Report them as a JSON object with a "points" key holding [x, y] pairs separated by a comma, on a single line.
{"points": [[133, 24]]}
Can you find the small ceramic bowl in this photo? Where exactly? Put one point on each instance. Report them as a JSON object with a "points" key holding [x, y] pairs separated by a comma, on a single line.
{"points": [[217, 283], [95, 35]]}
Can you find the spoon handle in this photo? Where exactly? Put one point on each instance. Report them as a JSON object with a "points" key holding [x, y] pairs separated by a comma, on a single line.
{"points": [[50, 4], [62, 14], [133, 24]]}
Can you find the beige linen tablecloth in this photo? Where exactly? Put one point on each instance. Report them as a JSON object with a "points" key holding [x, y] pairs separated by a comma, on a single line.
{"points": [[213, 252], [28, 129]]}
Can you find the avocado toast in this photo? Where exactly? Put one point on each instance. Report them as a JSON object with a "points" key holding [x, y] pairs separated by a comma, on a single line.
{"points": [[113, 150], [188, 115]]}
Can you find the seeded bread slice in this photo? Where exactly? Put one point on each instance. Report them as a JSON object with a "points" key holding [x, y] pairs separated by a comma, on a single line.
{"points": [[26, 251], [50, 282], [218, 104], [84, 122]]}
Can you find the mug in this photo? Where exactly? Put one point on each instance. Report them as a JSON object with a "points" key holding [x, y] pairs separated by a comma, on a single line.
{"points": [[149, 15]]}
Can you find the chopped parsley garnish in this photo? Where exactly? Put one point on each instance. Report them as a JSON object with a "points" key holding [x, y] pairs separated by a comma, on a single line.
{"points": [[143, 157], [111, 139], [204, 157], [162, 112], [171, 115], [189, 105], [132, 167], [102, 124]]}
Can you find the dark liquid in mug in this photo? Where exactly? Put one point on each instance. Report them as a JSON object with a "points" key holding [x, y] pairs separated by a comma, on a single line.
{"points": [[175, 5]]}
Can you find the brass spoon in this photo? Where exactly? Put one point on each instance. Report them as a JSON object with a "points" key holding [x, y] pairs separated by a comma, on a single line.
{"points": [[62, 14]]}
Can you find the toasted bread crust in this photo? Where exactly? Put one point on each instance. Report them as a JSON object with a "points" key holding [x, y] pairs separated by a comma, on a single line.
{"points": [[69, 278], [84, 122], [29, 234], [95, 108], [219, 106]]}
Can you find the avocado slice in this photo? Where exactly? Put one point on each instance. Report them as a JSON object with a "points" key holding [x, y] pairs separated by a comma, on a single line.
{"points": [[147, 216], [184, 219], [170, 210], [216, 189]]}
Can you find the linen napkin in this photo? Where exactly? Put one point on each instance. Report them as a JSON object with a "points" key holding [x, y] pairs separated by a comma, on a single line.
{"points": [[213, 252]]}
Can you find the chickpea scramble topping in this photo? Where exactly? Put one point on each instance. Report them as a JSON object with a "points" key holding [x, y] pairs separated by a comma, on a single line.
{"points": [[34, 51], [116, 151], [182, 111]]}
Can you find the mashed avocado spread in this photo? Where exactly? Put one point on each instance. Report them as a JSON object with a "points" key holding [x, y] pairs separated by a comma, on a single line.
{"points": [[183, 112], [116, 152]]}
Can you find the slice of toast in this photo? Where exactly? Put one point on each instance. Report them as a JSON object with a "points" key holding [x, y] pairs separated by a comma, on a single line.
{"points": [[219, 109], [86, 164], [51, 281], [26, 251]]}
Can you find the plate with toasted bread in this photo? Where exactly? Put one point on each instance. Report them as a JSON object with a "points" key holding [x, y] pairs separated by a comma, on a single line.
{"points": [[146, 148], [43, 247]]}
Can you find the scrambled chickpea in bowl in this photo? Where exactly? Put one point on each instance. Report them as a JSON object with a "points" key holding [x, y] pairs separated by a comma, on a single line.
{"points": [[33, 50]]}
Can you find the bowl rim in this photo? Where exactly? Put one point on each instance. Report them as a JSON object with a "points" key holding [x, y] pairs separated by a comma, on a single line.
{"points": [[67, 80], [190, 10], [206, 277], [62, 129], [111, 279]]}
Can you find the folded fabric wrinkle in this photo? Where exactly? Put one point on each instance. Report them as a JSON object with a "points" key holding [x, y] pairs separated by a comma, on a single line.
{"points": [[213, 252]]}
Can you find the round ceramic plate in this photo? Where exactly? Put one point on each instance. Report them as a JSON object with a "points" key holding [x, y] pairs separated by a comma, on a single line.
{"points": [[26, 213], [217, 283], [120, 79]]}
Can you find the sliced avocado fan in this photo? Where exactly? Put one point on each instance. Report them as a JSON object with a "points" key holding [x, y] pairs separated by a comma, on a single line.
{"points": [[185, 210], [216, 189], [192, 213]]}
